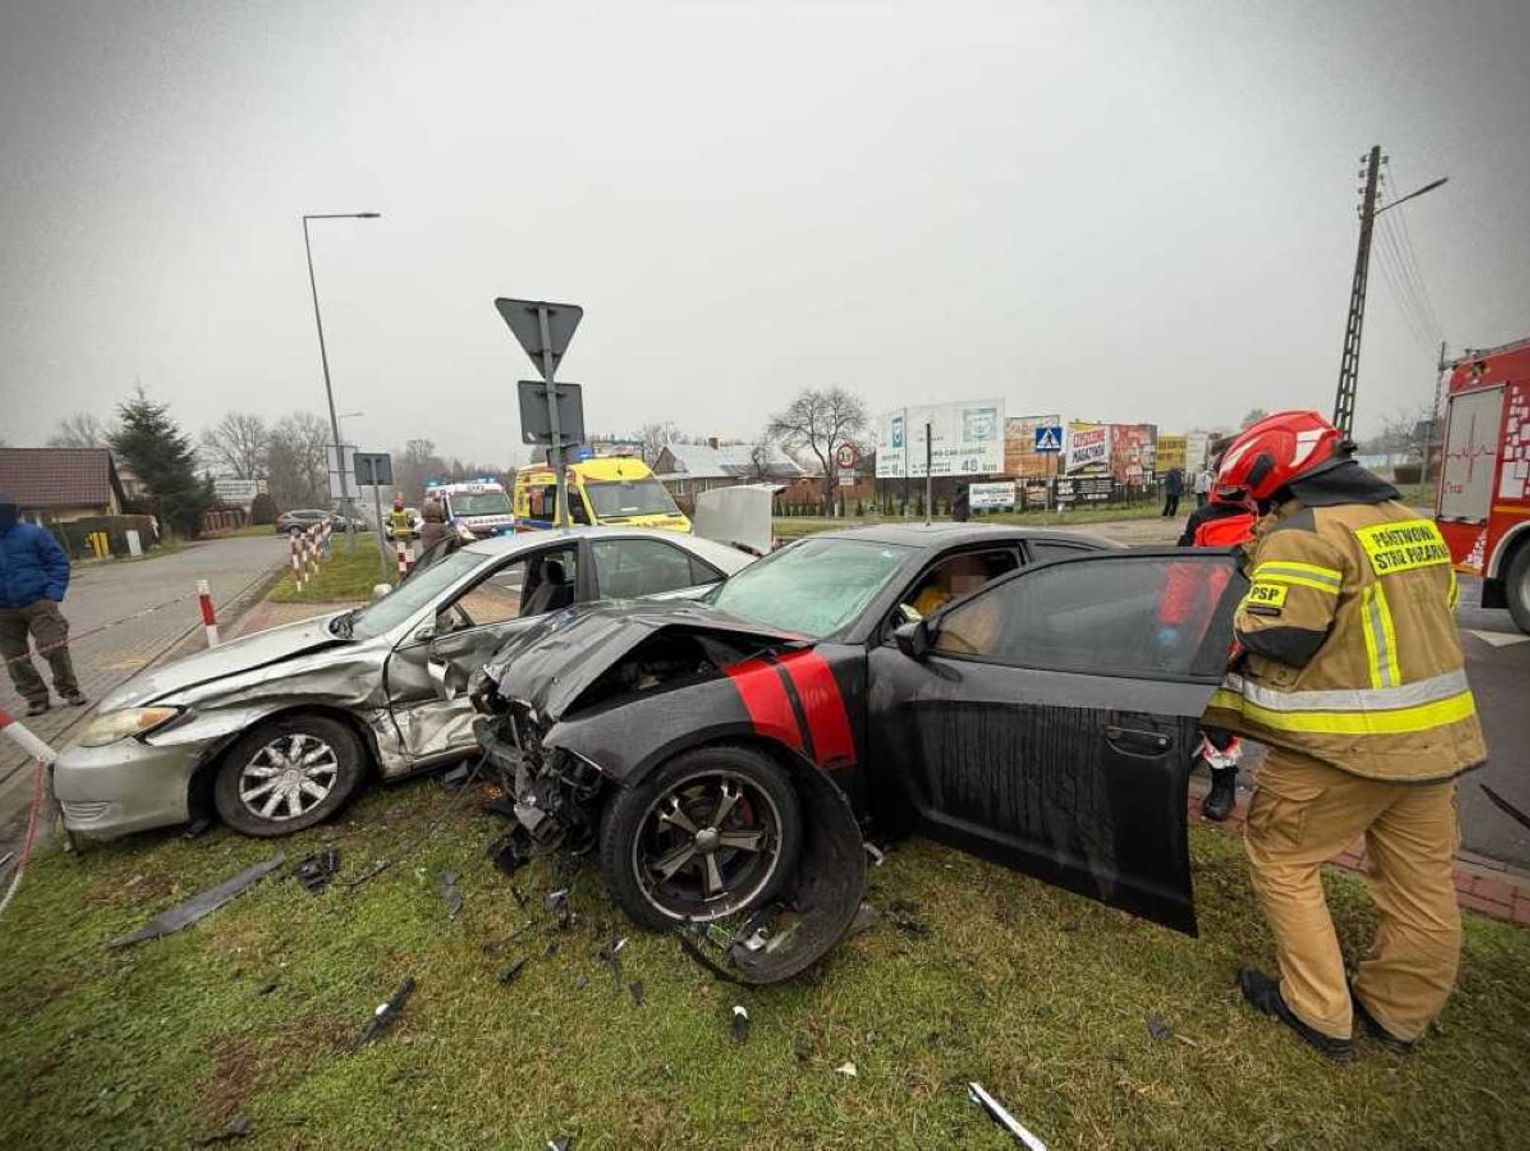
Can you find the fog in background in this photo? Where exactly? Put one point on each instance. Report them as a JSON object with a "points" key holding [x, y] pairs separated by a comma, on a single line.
{"points": [[1120, 211]]}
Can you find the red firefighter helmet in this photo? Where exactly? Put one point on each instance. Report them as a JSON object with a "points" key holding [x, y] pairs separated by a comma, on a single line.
{"points": [[1287, 446]]}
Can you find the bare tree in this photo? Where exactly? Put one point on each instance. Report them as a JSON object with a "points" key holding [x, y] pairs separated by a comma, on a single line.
{"points": [[297, 466], [81, 430], [761, 454], [414, 465], [654, 438], [820, 420], [1253, 417], [237, 445], [1400, 431]]}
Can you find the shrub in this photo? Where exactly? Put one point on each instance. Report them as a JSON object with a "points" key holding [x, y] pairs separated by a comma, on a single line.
{"points": [[263, 509]]}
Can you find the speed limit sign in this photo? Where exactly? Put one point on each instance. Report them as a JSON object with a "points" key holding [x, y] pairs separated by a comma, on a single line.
{"points": [[845, 455]]}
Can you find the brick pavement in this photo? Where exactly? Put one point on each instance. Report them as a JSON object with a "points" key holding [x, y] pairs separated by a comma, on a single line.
{"points": [[1485, 886]]}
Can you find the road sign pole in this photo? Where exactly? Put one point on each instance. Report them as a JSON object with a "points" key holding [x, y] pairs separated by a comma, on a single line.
{"points": [[382, 543], [555, 451]]}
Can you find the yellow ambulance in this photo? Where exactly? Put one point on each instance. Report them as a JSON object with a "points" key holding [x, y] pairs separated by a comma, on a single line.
{"points": [[613, 490]]}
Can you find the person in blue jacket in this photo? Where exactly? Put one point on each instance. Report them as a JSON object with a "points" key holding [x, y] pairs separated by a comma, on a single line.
{"points": [[34, 574]]}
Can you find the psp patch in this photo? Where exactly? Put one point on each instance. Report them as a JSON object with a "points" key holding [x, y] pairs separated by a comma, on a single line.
{"points": [[1403, 546], [1265, 598]]}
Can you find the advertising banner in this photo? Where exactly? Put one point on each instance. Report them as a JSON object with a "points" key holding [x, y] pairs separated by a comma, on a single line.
{"points": [[1088, 449], [989, 497], [1084, 489], [1131, 452], [236, 493], [1171, 452], [1021, 459], [1037, 493], [966, 439]]}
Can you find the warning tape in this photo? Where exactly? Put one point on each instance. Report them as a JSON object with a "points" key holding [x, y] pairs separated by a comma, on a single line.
{"points": [[137, 615]]}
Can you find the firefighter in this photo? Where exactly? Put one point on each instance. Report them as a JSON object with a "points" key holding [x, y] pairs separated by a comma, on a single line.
{"points": [[400, 523], [1227, 520], [1351, 670]]}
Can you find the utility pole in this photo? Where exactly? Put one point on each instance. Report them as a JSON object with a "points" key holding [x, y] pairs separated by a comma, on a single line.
{"points": [[1349, 361]]}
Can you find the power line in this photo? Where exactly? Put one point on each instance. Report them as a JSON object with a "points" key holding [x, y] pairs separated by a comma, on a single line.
{"points": [[1394, 270], [1410, 258]]}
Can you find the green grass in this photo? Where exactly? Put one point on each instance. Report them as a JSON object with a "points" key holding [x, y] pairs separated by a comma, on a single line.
{"points": [[348, 576], [1040, 995], [795, 527]]}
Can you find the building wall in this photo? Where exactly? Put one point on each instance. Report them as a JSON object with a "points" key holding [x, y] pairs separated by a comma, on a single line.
{"points": [[64, 515]]}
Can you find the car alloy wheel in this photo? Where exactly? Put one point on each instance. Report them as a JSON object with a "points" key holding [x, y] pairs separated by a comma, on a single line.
{"points": [[289, 777], [707, 846]]}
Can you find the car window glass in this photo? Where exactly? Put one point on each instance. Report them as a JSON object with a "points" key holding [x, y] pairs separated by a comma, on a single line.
{"points": [[492, 600], [814, 588], [703, 572], [1045, 550], [577, 512], [413, 595], [1133, 615], [628, 568], [956, 576]]}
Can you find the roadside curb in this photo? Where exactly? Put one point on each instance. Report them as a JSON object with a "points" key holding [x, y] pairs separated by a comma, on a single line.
{"points": [[1486, 886]]}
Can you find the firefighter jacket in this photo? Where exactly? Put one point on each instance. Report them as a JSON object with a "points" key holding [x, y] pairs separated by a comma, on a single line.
{"points": [[1352, 655]]}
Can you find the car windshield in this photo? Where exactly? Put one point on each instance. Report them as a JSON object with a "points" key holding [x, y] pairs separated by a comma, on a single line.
{"points": [[619, 499], [481, 504], [813, 588], [422, 588]]}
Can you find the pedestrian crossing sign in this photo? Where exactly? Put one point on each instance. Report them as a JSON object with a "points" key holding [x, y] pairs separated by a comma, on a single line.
{"points": [[1049, 438]]}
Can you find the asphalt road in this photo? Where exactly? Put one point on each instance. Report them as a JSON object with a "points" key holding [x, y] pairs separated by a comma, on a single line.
{"points": [[102, 594], [1498, 664]]}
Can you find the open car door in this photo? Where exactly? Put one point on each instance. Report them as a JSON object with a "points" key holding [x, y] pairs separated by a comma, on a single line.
{"points": [[1049, 721]]}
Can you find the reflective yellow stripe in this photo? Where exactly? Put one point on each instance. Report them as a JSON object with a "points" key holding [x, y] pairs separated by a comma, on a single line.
{"points": [[1266, 576], [1454, 597], [1380, 637], [1292, 568], [1402, 721]]}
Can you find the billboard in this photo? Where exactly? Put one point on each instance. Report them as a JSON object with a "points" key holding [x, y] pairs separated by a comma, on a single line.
{"points": [[1171, 452], [989, 497], [236, 493], [1132, 448], [966, 439], [1088, 449], [1021, 458]]}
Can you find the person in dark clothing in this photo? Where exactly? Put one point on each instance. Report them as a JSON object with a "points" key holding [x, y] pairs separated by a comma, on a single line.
{"points": [[1173, 488], [961, 507], [34, 574]]}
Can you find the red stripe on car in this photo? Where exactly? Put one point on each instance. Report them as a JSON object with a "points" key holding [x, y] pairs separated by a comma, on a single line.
{"points": [[765, 700], [823, 706]]}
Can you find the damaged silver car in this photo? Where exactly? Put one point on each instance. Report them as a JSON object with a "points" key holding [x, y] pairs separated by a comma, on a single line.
{"points": [[276, 731]]}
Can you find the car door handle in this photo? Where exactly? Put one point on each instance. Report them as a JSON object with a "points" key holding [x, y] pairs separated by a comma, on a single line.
{"points": [[1135, 741]]}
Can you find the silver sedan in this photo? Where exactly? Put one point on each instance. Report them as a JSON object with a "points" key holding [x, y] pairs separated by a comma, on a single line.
{"points": [[277, 730]]}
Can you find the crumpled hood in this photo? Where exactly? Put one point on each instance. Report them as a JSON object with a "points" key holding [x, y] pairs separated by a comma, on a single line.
{"points": [[551, 663], [240, 655]]}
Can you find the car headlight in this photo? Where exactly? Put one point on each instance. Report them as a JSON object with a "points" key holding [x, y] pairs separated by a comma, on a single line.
{"points": [[115, 725]]}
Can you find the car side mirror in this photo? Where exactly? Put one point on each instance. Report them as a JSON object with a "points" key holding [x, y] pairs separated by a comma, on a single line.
{"points": [[380, 589], [425, 634], [913, 640]]}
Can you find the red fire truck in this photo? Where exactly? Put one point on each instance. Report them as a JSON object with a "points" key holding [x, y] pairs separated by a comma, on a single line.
{"points": [[1483, 503]]}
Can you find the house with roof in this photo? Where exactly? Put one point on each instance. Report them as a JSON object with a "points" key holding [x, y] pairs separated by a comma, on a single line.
{"points": [[688, 469], [58, 485]]}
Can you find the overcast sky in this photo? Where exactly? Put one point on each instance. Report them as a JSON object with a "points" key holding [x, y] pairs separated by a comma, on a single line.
{"points": [[1122, 211]]}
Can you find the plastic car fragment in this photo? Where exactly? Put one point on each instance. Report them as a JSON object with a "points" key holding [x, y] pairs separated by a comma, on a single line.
{"points": [[317, 871], [198, 906], [386, 1012], [451, 895], [998, 1113]]}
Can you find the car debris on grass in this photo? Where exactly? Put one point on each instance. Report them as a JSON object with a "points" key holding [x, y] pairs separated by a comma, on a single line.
{"points": [[384, 1015], [203, 904]]}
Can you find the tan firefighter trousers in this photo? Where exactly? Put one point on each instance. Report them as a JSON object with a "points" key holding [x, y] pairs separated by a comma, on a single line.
{"points": [[1305, 813]]}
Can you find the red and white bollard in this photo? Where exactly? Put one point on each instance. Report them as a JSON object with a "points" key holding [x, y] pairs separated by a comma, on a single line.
{"points": [[297, 562], [405, 559], [17, 733], [209, 613]]}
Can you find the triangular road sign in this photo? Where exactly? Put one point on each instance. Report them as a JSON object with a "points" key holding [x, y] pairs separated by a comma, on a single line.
{"points": [[522, 317]]}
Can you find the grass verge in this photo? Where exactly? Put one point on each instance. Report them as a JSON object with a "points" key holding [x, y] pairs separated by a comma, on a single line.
{"points": [[1043, 997], [348, 576]]}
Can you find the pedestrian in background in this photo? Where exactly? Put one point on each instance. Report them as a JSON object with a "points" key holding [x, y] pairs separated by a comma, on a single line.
{"points": [[961, 506], [1173, 488], [433, 526], [34, 574], [1204, 482], [1351, 671]]}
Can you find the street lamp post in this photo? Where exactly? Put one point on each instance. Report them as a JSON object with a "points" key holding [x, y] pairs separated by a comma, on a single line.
{"points": [[329, 392]]}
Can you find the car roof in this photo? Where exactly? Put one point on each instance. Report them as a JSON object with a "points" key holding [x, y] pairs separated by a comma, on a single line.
{"points": [[944, 535], [718, 553]]}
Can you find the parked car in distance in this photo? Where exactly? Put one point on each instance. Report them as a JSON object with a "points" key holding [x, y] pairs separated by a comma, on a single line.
{"points": [[276, 730], [299, 520], [1030, 697]]}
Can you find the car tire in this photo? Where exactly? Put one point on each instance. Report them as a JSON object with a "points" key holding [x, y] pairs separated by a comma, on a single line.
{"points": [[1516, 586], [254, 792], [646, 829], [294, 531]]}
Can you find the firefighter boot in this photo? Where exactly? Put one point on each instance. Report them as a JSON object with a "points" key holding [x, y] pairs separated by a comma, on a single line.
{"points": [[1223, 796]]}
